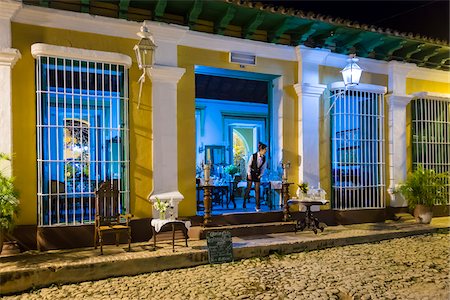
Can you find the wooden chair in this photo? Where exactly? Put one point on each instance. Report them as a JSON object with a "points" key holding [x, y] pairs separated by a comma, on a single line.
{"points": [[108, 216]]}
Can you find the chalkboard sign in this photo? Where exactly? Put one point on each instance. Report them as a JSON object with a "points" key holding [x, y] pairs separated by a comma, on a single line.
{"points": [[220, 247]]}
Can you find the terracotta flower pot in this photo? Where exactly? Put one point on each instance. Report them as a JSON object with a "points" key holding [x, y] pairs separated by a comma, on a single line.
{"points": [[423, 214]]}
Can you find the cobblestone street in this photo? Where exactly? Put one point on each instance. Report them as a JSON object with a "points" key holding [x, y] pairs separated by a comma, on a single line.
{"points": [[407, 268]]}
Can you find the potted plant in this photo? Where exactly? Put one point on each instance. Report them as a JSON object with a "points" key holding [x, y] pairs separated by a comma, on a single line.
{"points": [[161, 207], [231, 169], [423, 189], [9, 202], [302, 190]]}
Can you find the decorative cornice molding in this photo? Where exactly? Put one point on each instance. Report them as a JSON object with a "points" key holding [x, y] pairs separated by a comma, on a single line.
{"points": [[9, 8], [83, 54], [442, 96], [48, 17], [54, 18], [400, 67], [9, 57], [309, 89], [398, 100], [362, 87], [165, 74], [230, 44], [429, 74]]}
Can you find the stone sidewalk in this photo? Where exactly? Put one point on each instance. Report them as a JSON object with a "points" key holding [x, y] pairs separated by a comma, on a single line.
{"points": [[37, 269]]}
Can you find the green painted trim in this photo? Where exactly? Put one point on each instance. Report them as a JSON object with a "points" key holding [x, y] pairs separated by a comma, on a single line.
{"points": [[234, 74]]}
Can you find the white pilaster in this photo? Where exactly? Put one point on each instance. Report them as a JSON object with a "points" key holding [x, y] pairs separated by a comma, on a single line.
{"points": [[8, 57], [309, 95], [165, 146], [397, 145], [397, 73]]}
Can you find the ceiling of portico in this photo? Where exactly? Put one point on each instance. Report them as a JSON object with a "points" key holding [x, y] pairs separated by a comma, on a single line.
{"points": [[256, 21]]}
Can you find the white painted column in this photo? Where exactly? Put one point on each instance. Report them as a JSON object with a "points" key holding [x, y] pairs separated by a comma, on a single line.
{"points": [[165, 145], [310, 96], [397, 145], [309, 92], [397, 101], [8, 57]]}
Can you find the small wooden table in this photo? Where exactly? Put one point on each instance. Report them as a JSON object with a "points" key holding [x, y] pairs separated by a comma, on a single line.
{"points": [[309, 221], [158, 224]]}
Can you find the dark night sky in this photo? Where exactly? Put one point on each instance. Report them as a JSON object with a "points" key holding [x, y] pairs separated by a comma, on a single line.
{"points": [[429, 18]]}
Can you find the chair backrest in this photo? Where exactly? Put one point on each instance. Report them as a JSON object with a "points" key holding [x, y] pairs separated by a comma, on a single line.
{"points": [[107, 204]]}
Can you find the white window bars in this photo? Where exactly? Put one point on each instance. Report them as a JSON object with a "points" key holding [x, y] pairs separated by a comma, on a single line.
{"points": [[82, 137], [357, 148], [430, 134]]}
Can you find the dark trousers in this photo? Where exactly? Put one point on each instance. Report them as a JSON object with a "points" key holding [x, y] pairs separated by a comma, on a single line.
{"points": [[247, 192]]}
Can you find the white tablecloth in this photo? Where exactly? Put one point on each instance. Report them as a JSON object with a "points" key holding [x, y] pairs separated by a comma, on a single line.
{"points": [[159, 223]]}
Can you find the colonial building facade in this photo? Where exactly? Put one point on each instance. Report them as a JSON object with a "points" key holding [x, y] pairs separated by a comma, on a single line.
{"points": [[73, 112]]}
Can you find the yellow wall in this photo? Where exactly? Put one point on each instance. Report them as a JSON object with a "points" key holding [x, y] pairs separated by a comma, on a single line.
{"points": [[24, 115], [189, 57], [416, 85]]}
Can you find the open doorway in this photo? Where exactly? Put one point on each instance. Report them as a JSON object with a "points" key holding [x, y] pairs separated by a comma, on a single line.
{"points": [[233, 114]]}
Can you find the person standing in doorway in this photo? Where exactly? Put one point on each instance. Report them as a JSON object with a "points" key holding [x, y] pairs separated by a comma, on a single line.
{"points": [[255, 170]]}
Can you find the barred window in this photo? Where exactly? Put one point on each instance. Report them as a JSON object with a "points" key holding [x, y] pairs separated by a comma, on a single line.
{"points": [[82, 137], [430, 133], [357, 149]]}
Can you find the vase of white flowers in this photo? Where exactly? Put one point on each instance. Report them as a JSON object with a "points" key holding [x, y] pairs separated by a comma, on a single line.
{"points": [[161, 207]]}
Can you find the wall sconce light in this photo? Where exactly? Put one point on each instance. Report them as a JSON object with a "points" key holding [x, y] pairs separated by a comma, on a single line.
{"points": [[351, 74], [145, 54]]}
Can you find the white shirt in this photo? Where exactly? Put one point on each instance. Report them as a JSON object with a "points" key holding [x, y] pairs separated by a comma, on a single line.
{"points": [[258, 164]]}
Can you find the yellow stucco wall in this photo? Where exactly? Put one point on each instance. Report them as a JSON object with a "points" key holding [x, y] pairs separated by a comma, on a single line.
{"points": [[24, 115], [416, 85], [189, 57]]}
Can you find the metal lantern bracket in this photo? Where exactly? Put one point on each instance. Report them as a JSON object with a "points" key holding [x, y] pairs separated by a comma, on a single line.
{"points": [[145, 51]]}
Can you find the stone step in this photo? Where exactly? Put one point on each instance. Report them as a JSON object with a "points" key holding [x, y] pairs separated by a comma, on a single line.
{"points": [[403, 217], [199, 232]]}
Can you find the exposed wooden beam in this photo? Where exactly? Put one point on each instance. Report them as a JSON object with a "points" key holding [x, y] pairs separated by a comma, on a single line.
{"points": [[44, 3], [306, 31], [427, 51], [253, 25], [336, 36], [123, 8], [226, 19], [439, 56], [288, 23], [195, 11], [160, 8], [366, 47], [390, 46], [85, 6]]}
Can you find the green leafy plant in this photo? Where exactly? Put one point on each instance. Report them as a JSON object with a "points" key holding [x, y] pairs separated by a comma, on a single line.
{"points": [[304, 187], [231, 169], [9, 202], [425, 187]]}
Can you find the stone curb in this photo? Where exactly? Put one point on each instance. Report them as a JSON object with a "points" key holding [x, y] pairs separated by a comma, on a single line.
{"points": [[41, 276]]}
